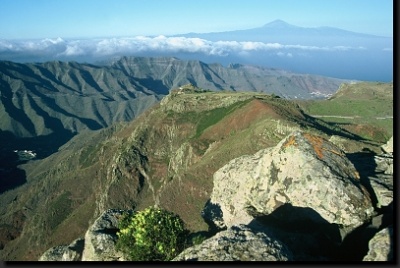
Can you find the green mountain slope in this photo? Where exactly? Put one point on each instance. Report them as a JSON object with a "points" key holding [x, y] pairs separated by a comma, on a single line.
{"points": [[364, 108]]}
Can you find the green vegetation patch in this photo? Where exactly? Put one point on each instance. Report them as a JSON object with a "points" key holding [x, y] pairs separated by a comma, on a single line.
{"points": [[361, 108], [152, 234], [212, 117], [88, 154], [59, 209], [365, 110]]}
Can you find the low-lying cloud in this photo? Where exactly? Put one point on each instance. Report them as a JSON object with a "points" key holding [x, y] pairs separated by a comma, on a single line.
{"points": [[357, 59], [160, 44]]}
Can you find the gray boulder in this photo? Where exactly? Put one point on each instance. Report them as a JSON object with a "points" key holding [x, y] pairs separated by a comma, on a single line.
{"points": [[303, 170], [388, 147], [101, 238], [376, 172], [380, 180], [238, 243], [73, 252], [381, 246], [382, 186], [53, 254], [384, 164]]}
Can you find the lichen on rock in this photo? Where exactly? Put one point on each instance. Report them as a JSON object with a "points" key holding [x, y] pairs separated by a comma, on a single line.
{"points": [[238, 243], [101, 237], [303, 170]]}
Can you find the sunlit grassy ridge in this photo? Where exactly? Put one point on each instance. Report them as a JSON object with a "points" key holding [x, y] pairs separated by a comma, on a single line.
{"points": [[363, 108]]}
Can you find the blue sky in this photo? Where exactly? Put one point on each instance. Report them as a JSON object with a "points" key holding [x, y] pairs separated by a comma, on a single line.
{"points": [[29, 19]]}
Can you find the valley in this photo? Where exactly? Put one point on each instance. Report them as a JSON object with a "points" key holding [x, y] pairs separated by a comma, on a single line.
{"points": [[44, 105]]}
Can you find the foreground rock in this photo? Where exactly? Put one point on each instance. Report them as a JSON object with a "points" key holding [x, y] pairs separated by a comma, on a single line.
{"points": [[101, 237], [238, 243], [304, 171], [98, 244], [381, 181], [388, 147], [302, 200], [72, 252], [382, 187], [376, 172], [381, 246]]}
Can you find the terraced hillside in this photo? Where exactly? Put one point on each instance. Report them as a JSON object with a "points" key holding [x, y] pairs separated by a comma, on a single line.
{"points": [[167, 156]]}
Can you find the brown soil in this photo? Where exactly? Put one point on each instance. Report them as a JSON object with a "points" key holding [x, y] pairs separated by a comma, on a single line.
{"points": [[240, 119]]}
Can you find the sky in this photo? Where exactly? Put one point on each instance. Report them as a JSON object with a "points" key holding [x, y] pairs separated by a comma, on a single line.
{"points": [[35, 19]]}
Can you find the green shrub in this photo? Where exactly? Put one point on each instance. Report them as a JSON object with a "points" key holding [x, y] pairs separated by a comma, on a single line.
{"points": [[151, 235]]}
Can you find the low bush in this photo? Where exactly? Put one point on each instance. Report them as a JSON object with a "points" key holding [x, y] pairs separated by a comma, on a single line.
{"points": [[153, 234]]}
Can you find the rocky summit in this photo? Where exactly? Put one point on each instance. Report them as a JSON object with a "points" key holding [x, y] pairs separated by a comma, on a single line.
{"points": [[301, 200]]}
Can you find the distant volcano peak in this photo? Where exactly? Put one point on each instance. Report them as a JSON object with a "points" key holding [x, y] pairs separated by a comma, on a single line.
{"points": [[278, 24]]}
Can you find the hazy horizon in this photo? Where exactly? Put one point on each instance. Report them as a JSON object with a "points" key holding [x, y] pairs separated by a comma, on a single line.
{"points": [[91, 31]]}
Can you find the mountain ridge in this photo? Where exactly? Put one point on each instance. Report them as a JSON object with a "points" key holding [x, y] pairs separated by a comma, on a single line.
{"points": [[129, 78], [167, 155], [44, 105]]}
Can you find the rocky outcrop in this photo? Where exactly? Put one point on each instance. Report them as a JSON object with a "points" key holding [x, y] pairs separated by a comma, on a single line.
{"points": [[302, 200], [303, 170], [376, 172], [382, 187], [72, 252], [381, 180], [238, 243], [388, 147], [381, 246], [101, 237], [98, 244], [384, 162], [181, 104], [308, 193]]}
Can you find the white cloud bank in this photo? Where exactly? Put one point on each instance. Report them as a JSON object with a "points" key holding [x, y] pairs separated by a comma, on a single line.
{"points": [[129, 45]]}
